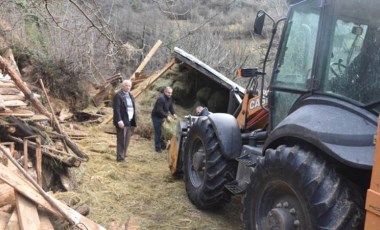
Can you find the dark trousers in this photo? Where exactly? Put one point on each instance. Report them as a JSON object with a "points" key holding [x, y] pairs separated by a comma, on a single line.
{"points": [[157, 125], [123, 136]]}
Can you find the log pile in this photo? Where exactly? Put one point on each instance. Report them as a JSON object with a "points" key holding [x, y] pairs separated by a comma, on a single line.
{"points": [[25, 205], [23, 117], [36, 141]]}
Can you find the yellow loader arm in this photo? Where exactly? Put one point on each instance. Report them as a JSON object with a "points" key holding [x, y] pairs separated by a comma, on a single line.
{"points": [[372, 205]]}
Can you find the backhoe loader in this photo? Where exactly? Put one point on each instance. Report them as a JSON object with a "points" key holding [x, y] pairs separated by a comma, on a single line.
{"points": [[310, 166]]}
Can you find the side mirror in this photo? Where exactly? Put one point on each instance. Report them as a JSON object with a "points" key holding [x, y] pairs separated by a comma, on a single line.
{"points": [[248, 72], [259, 23]]}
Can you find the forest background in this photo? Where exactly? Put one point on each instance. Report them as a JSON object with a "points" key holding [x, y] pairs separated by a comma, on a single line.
{"points": [[75, 41]]}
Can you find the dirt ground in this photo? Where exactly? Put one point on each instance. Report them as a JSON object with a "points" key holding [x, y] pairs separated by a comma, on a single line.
{"points": [[141, 192]]}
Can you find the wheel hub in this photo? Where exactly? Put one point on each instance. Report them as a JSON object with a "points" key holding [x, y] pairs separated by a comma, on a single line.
{"points": [[198, 161], [282, 218]]}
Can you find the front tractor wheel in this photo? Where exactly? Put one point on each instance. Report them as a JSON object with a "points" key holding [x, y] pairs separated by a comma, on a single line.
{"points": [[206, 171], [294, 189]]}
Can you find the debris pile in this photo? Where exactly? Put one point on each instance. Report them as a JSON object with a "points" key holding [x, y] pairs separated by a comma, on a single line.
{"points": [[36, 155]]}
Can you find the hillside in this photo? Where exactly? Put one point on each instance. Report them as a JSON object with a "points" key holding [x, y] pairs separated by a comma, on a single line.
{"points": [[75, 45]]}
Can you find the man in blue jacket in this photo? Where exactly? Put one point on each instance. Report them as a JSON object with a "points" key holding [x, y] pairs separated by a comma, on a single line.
{"points": [[160, 112], [124, 119]]}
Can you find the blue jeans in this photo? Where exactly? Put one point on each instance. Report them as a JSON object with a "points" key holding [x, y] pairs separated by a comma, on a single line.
{"points": [[157, 125]]}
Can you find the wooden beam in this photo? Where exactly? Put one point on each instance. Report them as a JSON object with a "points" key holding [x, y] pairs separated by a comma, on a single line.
{"points": [[28, 191], [19, 96], [7, 85], [14, 103], [27, 213], [103, 93], [146, 59], [4, 218], [136, 92], [45, 222], [13, 222], [9, 91], [66, 158], [58, 126], [18, 113]]}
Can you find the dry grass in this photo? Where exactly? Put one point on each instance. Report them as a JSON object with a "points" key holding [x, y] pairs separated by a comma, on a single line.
{"points": [[142, 190]]}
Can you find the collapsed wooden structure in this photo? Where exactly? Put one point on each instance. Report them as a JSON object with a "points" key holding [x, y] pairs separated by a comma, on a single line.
{"points": [[25, 205], [32, 137]]}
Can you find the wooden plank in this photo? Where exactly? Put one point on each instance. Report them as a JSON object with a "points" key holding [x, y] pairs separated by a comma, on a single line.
{"points": [[146, 59], [14, 103], [13, 222], [17, 113], [37, 117], [30, 192], [9, 91], [27, 213], [136, 92], [7, 85], [4, 218], [19, 96], [22, 186], [102, 94], [45, 222]]}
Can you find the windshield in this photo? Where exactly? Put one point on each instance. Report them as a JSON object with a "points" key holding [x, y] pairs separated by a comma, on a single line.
{"points": [[354, 59]]}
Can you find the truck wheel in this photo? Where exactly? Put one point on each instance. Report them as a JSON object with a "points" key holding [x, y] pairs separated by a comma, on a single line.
{"points": [[294, 189], [206, 170]]}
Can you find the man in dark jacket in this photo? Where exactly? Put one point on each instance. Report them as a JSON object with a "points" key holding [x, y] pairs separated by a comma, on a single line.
{"points": [[124, 119], [202, 111], [160, 112]]}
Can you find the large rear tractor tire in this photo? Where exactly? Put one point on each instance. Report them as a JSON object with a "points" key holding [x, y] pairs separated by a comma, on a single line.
{"points": [[295, 189], [206, 171]]}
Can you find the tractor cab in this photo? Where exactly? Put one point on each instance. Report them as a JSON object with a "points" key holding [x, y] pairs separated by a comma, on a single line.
{"points": [[329, 48]]}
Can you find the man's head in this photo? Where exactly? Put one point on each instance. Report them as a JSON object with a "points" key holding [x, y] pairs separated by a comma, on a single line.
{"points": [[168, 91], [198, 110], [126, 85]]}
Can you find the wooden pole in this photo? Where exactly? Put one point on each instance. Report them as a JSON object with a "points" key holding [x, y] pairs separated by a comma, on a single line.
{"points": [[147, 82], [38, 156], [26, 155], [146, 59], [54, 118], [39, 161]]}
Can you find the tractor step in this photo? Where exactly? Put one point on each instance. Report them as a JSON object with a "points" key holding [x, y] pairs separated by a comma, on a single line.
{"points": [[250, 155], [235, 188], [248, 160]]}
